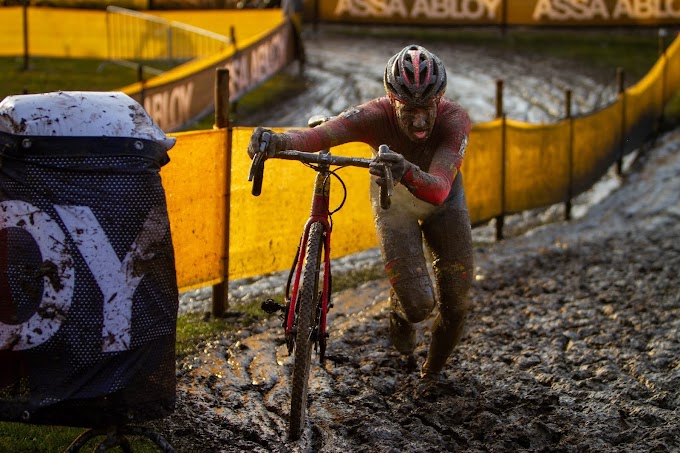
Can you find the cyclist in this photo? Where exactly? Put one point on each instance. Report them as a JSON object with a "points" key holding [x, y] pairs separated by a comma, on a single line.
{"points": [[429, 134]]}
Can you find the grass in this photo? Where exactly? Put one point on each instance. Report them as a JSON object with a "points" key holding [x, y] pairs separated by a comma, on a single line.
{"points": [[634, 52]]}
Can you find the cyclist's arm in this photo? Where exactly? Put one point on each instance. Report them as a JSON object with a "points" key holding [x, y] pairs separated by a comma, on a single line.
{"points": [[353, 125]]}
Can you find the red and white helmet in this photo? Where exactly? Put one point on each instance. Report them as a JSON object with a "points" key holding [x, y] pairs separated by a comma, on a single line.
{"points": [[415, 76]]}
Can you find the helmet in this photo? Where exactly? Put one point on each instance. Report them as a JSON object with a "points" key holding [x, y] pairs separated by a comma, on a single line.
{"points": [[415, 75]]}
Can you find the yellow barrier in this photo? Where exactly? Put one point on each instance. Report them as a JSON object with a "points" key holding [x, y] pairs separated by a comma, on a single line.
{"points": [[265, 230], [195, 191]]}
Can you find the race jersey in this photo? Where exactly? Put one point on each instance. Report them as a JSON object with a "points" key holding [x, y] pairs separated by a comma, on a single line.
{"points": [[435, 162]]}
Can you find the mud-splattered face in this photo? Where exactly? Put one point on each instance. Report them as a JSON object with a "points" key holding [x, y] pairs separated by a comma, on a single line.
{"points": [[416, 122]]}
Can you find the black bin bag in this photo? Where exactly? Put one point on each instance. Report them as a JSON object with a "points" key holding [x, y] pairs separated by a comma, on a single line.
{"points": [[88, 292]]}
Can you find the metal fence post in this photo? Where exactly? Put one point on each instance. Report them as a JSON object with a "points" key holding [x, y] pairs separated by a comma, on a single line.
{"points": [[500, 219], [662, 55], [220, 291], [24, 4], [570, 189]]}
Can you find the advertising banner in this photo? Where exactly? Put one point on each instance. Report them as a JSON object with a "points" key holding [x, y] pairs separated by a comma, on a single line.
{"points": [[499, 12], [180, 97], [88, 293]]}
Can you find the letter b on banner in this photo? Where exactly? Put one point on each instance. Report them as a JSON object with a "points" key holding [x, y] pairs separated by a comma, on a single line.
{"points": [[88, 293]]}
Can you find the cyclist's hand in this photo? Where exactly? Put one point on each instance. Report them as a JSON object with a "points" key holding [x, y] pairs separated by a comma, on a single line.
{"points": [[396, 162], [265, 138]]}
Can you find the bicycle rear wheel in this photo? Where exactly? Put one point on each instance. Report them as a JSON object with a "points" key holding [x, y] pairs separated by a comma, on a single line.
{"points": [[307, 307]]}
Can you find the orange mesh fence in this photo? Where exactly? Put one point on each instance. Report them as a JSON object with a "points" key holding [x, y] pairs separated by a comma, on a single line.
{"points": [[536, 165], [643, 106], [483, 171], [265, 230], [596, 145], [672, 71], [194, 182]]}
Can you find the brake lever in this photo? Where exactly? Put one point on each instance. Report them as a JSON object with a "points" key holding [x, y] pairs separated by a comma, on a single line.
{"points": [[257, 167], [388, 181]]}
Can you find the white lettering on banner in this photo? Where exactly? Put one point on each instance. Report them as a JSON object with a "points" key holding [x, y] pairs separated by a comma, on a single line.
{"points": [[455, 9], [117, 280], [58, 277], [593, 9], [371, 8], [430, 9], [570, 9], [239, 75], [251, 68], [265, 60], [647, 9], [171, 108]]}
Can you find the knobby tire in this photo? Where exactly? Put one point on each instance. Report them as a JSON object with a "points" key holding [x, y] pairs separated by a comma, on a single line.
{"points": [[306, 318]]}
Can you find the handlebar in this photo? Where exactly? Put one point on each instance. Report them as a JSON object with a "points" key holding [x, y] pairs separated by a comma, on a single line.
{"points": [[324, 159]]}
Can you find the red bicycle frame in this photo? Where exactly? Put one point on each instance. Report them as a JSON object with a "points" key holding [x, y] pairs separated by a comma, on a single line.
{"points": [[319, 213]]}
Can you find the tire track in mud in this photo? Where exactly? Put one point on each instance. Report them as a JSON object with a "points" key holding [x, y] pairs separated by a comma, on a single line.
{"points": [[571, 344]]}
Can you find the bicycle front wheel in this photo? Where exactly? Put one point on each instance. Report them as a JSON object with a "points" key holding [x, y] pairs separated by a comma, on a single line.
{"points": [[304, 339]]}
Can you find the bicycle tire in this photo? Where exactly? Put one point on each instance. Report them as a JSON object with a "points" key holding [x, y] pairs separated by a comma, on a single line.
{"points": [[306, 318]]}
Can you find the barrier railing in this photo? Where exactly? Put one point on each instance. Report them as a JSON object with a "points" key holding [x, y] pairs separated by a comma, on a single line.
{"points": [[135, 36]]}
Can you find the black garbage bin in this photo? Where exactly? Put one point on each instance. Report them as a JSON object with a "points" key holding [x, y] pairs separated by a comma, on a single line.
{"points": [[88, 292]]}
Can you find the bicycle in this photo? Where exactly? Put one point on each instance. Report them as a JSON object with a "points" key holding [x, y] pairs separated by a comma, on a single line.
{"points": [[306, 307]]}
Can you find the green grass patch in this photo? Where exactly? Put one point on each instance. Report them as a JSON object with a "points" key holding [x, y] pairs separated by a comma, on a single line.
{"points": [[23, 438], [60, 74], [195, 329]]}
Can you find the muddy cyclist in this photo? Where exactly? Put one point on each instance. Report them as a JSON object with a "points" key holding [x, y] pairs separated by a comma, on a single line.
{"points": [[429, 134]]}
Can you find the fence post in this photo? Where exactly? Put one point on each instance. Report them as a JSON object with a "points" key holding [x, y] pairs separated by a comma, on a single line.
{"points": [[662, 55], [620, 77], [24, 5], [570, 190], [140, 79], [232, 36], [500, 219], [220, 291]]}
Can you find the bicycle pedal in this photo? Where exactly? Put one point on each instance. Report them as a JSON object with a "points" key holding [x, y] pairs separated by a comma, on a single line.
{"points": [[271, 306]]}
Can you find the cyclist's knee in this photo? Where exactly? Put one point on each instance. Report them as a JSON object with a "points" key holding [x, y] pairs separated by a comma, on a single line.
{"points": [[415, 304]]}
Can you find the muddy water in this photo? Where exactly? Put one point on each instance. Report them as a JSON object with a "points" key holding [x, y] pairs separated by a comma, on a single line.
{"points": [[572, 345]]}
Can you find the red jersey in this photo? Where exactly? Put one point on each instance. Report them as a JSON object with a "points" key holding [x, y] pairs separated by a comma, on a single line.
{"points": [[435, 162]]}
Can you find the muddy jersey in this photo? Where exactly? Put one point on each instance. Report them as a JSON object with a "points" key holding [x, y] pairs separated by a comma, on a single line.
{"points": [[434, 162]]}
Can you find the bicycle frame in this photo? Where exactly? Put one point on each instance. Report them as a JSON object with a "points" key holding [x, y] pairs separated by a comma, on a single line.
{"points": [[319, 213]]}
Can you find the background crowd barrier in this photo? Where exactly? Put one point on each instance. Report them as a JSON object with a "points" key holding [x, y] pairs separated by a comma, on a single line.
{"points": [[221, 232], [263, 42]]}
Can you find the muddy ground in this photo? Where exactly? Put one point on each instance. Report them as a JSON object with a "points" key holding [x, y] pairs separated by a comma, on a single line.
{"points": [[572, 343]]}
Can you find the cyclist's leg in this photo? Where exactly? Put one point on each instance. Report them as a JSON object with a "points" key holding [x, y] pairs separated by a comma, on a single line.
{"points": [[401, 245], [449, 238]]}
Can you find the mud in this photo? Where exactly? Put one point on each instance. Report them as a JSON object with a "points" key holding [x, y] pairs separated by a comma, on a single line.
{"points": [[572, 343]]}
